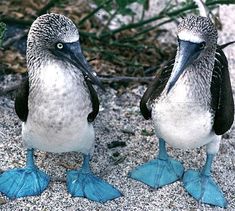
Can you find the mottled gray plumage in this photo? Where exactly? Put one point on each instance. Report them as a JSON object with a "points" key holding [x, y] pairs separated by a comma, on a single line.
{"points": [[202, 76], [201, 26], [44, 33], [199, 74], [57, 104], [199, 87], [60, 99], [191, 104]]}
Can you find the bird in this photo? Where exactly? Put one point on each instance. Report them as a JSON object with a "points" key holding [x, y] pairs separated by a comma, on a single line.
{"points": [[57, 105], [190, 102]]}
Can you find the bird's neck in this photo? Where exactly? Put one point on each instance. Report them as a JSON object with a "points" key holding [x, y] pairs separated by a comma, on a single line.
{"points": [[51, 72], [201, 70], [37, 57], [194, 84]]}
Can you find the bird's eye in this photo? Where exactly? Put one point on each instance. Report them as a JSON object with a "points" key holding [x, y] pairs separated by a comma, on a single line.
{"points": [[202, 45], [59, 45]]}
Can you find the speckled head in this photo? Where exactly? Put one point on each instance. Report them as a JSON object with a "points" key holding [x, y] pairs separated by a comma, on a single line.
{"points": [[49, 29], [197, 42], [198, 29], [53, 39], [45, 32]]}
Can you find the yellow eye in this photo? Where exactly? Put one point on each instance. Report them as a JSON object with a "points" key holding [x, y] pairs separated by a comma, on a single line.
{"points": [[59, 45]]}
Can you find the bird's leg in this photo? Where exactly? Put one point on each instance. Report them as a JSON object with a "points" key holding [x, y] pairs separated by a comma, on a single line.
{"points": [[30, 159], [86, 164], [162, 150], [28, 181], [159, 172], [201, 185], [84, 183], [206, 171]]}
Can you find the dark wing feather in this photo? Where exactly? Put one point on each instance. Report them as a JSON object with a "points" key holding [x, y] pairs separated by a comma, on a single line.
{"points": [[95, 102], [21, 100], [155, 89], [222, 96]]}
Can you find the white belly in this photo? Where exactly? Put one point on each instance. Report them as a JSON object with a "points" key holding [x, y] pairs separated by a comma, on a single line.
{"points": [[183, 126], [59, 104], [182, 121], [78, 137]]}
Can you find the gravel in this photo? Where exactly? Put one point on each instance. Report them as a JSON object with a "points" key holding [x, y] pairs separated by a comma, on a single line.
{"points": [[120, 120]]}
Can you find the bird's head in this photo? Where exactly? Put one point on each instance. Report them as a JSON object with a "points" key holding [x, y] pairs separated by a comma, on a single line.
{"points": [[56, 36], [197, 36]]}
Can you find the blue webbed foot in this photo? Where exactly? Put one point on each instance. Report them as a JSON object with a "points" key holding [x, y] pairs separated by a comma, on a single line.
{"points": [[89, 186], [157, 173], [202, 186], [20, 182], [160, 171], [84, 183]]}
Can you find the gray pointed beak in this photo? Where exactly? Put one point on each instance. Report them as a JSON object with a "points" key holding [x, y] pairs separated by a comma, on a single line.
{"points": [[188, 52], [77, 58]]}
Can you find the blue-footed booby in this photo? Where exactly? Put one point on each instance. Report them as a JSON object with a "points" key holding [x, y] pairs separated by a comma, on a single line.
{"points": [[57, 105], [191, 104]]}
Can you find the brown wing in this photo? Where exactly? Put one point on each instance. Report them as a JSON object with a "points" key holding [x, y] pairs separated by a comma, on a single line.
{"points": [[95, 102], [222, 96], [21, 100], [155, 89]]}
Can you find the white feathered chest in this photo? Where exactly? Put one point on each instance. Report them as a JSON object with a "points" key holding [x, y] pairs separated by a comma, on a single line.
{"points": [[59, 104]]}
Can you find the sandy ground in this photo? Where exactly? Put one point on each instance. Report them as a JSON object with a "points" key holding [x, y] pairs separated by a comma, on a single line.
{"points": [[120, 120]]}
